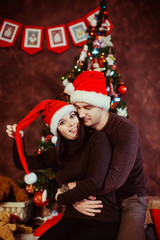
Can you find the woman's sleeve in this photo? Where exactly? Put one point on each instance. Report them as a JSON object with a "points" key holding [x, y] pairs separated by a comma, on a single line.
{"points": [[99, 159], [46, 159]]}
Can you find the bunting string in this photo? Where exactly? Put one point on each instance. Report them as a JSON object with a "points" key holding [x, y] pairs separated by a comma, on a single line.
{"points": [[56, 36]]}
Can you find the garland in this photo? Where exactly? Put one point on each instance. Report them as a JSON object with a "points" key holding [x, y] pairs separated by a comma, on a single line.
{"points": [[56, 36]]}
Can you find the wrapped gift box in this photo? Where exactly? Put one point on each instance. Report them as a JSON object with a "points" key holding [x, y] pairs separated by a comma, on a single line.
{"points": [[153, 202], [22, 209]]}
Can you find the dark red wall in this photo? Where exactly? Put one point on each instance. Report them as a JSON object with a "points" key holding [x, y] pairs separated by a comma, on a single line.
{"points": [[26, 80]]}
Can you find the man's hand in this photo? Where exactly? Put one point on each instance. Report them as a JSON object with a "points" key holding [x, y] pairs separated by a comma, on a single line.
{"points": [[89, 207], [71, 185]]}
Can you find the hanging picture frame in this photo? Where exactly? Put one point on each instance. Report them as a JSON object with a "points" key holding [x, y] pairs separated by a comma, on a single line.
{"points": [[77, 30], [57, 38], [32, 39], [90, 17], [9, 31]]}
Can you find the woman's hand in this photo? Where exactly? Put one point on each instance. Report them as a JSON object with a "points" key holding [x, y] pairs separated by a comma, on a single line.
{"points": [[65, 188], [57, 193], [11, 129]]}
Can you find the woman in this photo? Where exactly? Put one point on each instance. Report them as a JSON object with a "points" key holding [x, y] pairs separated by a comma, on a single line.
{"points": [[81, 156]]}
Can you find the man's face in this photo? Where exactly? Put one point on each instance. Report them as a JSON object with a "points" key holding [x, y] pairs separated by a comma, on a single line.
{"points": [[90, 114]]}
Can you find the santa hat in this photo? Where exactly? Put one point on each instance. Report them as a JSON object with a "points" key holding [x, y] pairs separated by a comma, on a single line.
{"points": [[89, 87], [52, 111]]}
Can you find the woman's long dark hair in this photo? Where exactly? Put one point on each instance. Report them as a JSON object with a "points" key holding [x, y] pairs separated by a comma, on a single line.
{"points": [[62, 142]]}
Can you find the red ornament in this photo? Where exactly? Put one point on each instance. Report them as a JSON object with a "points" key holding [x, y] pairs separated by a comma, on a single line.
{"points": [[40, 198], [96, 44], [114, 67], [48, 138], [101, 61], [39, 151], [121, 88], [30, 188]]}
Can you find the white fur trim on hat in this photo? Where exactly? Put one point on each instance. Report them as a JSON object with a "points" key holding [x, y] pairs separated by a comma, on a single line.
{"points": [[69, 89], [58, 115], [93, 98], [30, 178]]}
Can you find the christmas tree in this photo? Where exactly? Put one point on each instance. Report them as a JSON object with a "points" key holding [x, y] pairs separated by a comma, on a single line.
{"points": [[96, 55]]}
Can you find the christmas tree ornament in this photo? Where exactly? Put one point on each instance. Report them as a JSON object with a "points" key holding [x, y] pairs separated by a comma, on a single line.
{"points": [[30, 188], [39, 150], [101, 61], [96, 44], [93, 22], [114, 67], [43, 139], [111, 88], [108, 72], [48, 138], [122, 112], [84, 53], [91, 17], [40, 198], [96, 67], [106, 26], [106, 41], [110, 59], [121, 88]]}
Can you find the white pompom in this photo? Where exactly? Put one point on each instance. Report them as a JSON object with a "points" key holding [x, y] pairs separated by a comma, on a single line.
{"points": [[30, 178], [54, 139], [65, 82], [69, 89]]}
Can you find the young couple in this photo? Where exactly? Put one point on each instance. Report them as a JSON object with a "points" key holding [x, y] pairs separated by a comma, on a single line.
{"points": [[99, 157]]}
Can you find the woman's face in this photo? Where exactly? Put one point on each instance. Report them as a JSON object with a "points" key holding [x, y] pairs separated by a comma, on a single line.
{"points": [[68, 126]]}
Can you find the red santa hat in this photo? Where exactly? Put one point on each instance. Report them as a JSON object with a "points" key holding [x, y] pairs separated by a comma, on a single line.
{"points": [[89, 87], [52, 111]]}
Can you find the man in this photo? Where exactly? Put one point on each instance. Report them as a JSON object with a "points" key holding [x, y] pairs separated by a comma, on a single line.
{"points": [[126, 173]]}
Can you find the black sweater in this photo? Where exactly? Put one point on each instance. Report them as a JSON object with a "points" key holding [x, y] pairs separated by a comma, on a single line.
{"points": [[88, 165], [126, 173]]}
